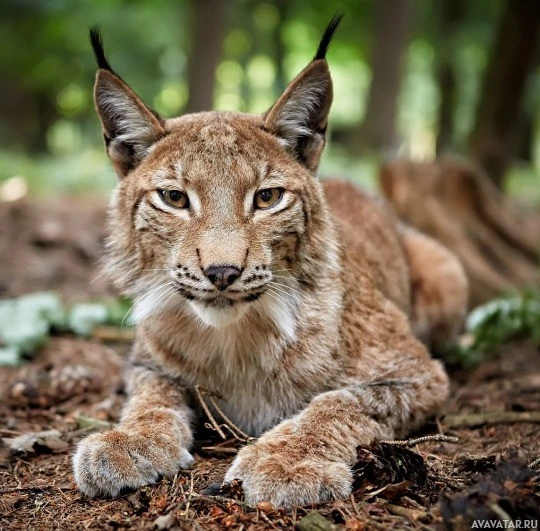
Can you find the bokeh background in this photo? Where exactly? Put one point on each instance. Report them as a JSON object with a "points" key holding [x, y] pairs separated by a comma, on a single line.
{"points": [[413, 78]]}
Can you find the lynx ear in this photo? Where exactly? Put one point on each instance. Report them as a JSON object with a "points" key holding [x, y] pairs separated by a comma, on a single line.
{"points": [[129, 126], [299, 118]]}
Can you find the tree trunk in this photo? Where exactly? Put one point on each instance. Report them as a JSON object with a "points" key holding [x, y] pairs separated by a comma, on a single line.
{"points": [[392, 26], [493, 140], [206, 39], [279, 51], [451, 15], [459, 206]]}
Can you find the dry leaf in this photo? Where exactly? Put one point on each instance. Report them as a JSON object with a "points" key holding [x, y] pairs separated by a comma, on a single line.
{"points": [[32, 441], [166, 521]]}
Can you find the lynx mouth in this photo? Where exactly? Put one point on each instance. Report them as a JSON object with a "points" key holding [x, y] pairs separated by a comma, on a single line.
{"points": [[220, 300]]}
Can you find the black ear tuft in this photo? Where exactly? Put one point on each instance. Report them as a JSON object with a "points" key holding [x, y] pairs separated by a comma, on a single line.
{"points": [[97, 46], [327, 37]]}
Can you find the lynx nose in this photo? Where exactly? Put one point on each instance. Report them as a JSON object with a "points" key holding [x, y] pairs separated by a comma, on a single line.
{"points": [[223, 275]]}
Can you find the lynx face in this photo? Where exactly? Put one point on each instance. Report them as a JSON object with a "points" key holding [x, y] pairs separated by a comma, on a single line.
{"points": [[219, 215], [217, 212]]}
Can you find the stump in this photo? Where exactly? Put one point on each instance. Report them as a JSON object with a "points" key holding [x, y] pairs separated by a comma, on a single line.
{"points": [[459, 206]]}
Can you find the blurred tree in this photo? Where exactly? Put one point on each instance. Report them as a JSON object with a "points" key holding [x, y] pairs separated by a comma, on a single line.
{"points": [[208, 27], [279, 47], [392, 29], [47, 70], [493, 141], [462, 208], [451, 14], [27, 101]]}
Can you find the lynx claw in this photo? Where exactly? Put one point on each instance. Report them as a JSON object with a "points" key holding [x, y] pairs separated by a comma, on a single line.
{"points": [[106, 463]]}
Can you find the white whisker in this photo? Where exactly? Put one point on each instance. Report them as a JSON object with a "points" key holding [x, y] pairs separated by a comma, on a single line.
{"points": [[300, 294], [280, 288], [169, 290], [281, 298], [139, 299]]}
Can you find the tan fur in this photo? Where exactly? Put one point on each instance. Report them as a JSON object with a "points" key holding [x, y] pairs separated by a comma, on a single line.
{"points": [[323, 360]]}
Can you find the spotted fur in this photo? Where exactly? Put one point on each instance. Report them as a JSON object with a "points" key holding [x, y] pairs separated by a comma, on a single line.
{"points": [[312, 349]]}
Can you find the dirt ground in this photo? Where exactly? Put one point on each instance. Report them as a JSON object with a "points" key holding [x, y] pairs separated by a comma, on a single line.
{"points": [[488, 473]]}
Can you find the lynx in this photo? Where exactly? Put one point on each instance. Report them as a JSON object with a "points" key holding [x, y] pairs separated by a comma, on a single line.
{"points": [[304, 306]]}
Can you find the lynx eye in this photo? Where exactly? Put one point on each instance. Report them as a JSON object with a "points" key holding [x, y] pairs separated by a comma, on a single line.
{"points": [[268, 197], [174, 198]]}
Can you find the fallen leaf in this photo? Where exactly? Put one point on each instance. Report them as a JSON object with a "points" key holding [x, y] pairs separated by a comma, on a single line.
{"points": [[351, 524], [32, 441], [160, 503], [391, 490], [228, 521], [92, 424], [315, 521], [215, 511], [266, 507], [166, 521]]}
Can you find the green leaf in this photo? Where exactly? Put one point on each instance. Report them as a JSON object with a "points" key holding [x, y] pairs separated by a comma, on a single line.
{"points": [[47, 305], [10, 356], [84, 317]]}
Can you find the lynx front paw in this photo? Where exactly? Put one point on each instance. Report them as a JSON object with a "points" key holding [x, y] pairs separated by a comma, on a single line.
{"points": [[105, 463], [285, 481]]}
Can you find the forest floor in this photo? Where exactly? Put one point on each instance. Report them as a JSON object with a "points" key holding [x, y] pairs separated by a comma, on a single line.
{"points": [[72, 384]]}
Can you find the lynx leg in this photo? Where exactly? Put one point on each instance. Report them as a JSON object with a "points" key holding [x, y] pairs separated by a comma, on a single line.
{"points": [[439, 289], [152, 439], [308, 458]]}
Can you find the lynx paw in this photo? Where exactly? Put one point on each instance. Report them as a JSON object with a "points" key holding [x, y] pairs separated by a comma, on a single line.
{"points": [[105, 463], [287, 482]]}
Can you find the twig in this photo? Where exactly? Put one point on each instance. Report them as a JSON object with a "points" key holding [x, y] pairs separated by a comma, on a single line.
{"points": [[222, 499], [208, 413], [6, 432], [414, 503], [266, 519], [235, 435], [113, 334], [191, 493], [35, 487], [232, 426], [494, 417], [500, 512], [220, 449], [397, 510], [353, 503], [409, 443]]}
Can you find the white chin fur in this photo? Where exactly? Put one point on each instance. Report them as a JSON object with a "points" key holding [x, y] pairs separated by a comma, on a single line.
{"points": [[154, 302], [218, 317]]}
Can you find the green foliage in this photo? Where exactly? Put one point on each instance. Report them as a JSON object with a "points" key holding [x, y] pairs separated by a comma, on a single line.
{"points": [[84, 317], [27, 322], [497, 322], [502, 319], [51, 137]]}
